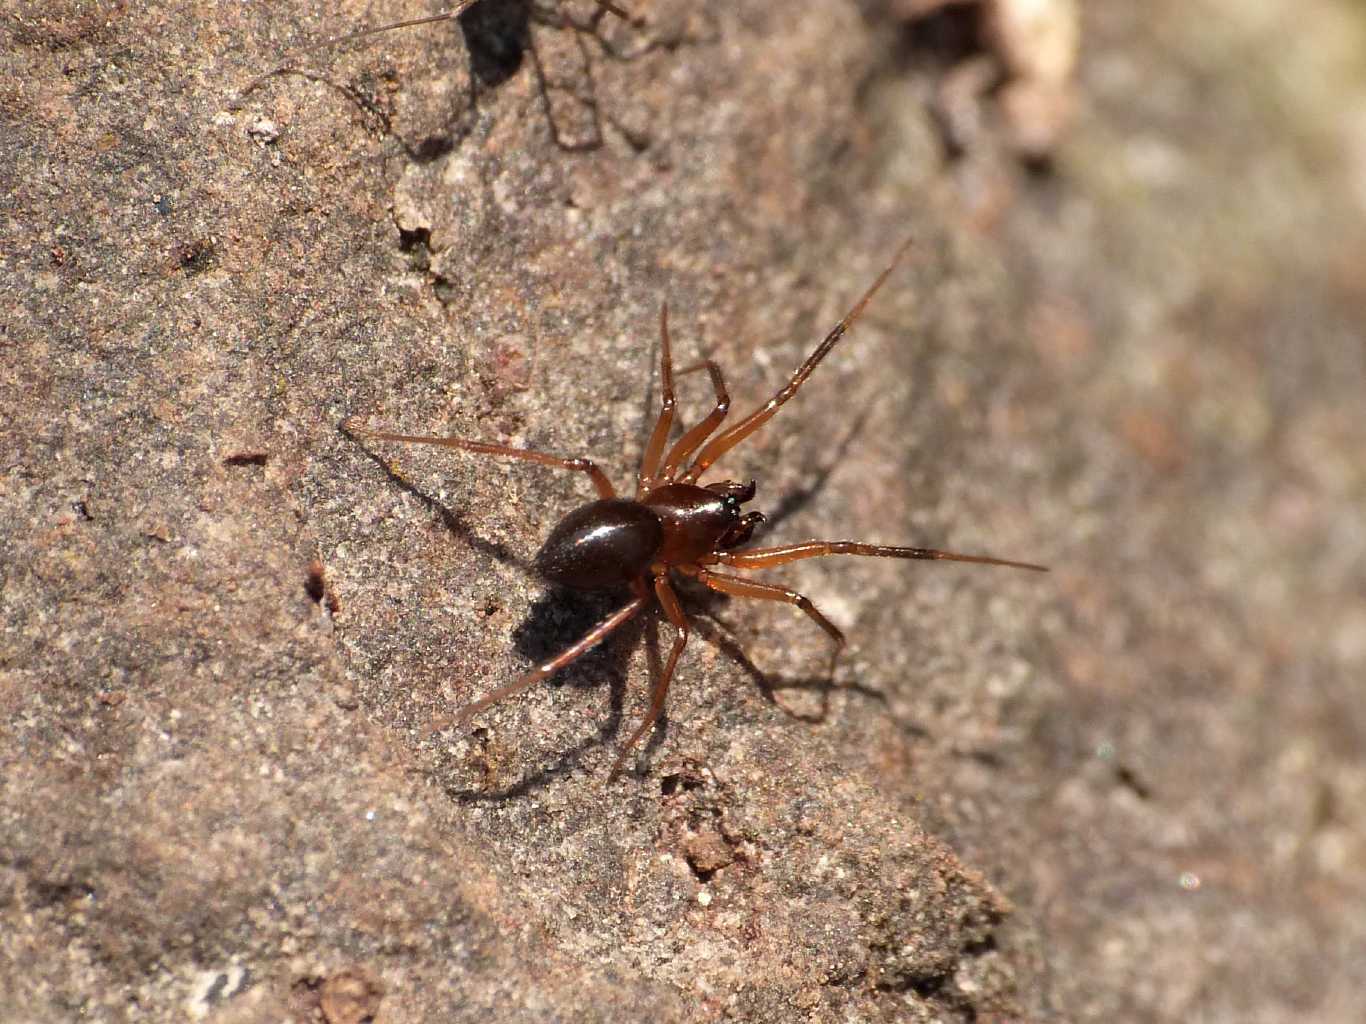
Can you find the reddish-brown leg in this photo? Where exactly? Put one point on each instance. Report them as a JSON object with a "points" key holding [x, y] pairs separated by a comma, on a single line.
{"points": [[688, 443], [600, 481], [741, 587], [669, 601], [593, 637], [767, 558], [724, 442], [659, 437], [650, 474]]}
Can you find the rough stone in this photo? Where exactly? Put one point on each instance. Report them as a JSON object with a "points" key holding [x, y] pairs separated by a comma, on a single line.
{"points": [[1129, 790]]}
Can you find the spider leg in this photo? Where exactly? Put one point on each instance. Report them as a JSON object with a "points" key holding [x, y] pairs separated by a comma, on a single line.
{"points": [[738, 586], [600, 481], [593, 637], [650, 473], [659, 437], [724, 442], [669, 600], [767, 558], [689, 442]]}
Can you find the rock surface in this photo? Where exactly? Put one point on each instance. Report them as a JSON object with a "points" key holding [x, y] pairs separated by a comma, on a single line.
{"points": [[1130, 790]]}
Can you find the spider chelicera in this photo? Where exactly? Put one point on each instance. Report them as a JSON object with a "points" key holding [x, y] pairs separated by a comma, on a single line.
{"points": [[674, 523]]}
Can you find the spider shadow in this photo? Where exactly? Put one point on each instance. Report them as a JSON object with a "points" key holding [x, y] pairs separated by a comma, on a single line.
{"points": [[499, 41], [797, 499], [920, 373], [721, 635], [702, 605], [452, 520], [554, 622]]}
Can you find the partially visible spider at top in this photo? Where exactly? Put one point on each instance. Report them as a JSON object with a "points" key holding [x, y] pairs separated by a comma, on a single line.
{"points": [[674, 523], [498, 36]]}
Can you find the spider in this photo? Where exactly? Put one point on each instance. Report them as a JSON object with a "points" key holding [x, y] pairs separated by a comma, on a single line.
{"points": [[674, 523]]}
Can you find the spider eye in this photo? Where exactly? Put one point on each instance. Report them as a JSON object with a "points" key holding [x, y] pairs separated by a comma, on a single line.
{"points": [[732, 504]]}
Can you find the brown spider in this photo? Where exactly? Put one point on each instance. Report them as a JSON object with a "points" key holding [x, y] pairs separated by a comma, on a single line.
{"points": [[674, 523]]}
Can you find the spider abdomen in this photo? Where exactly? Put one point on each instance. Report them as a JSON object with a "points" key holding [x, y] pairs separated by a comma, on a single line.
{"points": [[603, 544]]}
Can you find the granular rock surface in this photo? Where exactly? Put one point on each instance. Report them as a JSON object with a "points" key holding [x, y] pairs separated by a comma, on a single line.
{"points": [[233, 635]]}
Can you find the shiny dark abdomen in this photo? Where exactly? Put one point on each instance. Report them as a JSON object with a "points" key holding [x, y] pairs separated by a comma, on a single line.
{"points": [[603, 544]]}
